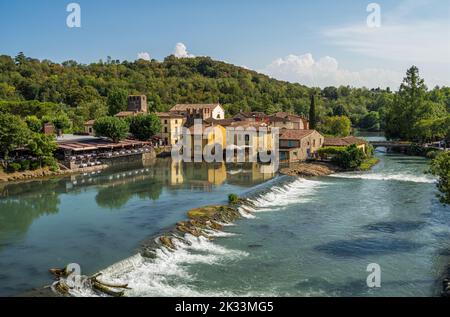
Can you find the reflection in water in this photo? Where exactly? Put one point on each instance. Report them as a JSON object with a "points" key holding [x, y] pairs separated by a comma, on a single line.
{"points": [[23, 203], [17, 214]]}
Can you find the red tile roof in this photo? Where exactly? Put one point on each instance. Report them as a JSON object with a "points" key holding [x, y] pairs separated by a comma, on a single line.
{"points": [[344, 141], [184, 107], [295, 134], [169, 115]]}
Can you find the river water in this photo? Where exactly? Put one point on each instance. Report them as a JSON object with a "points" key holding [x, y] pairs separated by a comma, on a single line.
{"points": [[306, 237]]}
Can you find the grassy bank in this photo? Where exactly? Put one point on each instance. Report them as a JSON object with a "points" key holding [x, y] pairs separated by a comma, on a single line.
{"points": [[368, 163]]}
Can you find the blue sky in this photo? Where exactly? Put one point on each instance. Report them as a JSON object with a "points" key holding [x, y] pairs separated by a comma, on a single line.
{"points": [[316, 42]]}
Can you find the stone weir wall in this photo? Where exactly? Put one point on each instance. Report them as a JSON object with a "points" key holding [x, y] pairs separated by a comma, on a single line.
{"points": [[128, 159]]}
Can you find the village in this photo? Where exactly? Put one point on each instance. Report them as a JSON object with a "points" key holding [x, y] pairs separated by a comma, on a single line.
{"points": [[297, 142]]}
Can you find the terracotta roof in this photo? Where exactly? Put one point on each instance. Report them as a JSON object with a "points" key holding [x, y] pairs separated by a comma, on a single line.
{"points": [[204, 126], [254, 114], [246, 124], [344, 141], [222, 122], [184, 107], [128, 114], [295, 134], [169, 115]]}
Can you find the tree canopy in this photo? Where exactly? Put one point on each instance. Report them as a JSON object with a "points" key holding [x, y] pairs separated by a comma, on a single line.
{"points": [[111, 127], [144, 127]]}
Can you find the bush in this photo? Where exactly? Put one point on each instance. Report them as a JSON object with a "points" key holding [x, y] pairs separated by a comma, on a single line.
{"points": [[34, 165], [350, 158], [25, 165], [13, 167], [432, 154], [233, 199], [440, 167], [50, 161]]}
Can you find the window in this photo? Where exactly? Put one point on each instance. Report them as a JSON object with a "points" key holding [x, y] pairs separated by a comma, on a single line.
{"points": [[165, 130], [176, 121], [165, 121]]}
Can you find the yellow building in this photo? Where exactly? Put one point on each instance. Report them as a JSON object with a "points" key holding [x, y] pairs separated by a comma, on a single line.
{"points": [[171, 125], [207, 136]]}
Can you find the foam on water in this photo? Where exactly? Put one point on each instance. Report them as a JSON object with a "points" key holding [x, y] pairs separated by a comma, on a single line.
{"points": [[403, 177], [167, 274], [152, 277], [298, 191]]}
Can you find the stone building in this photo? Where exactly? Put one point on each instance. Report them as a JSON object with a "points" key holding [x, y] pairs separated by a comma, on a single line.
{"points": [[299, 145], [199, 111]]}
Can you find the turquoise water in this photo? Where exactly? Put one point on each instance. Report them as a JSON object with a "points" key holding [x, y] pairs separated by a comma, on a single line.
{"points": [[98, 219], [305, 237]]}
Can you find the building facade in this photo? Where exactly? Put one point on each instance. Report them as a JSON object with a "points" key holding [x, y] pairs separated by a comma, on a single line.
{"points": [[299, 145], [171, 128], [199, 111]]}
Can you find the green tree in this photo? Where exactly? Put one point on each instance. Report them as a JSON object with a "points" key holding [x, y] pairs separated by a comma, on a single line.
{"points": [[43, 146], [143, 127], [410, 106], [117, 101], [337, 126], [440, 167], [312, 112], [34, 123], [371, 121], [111, 127], [14, 134]]}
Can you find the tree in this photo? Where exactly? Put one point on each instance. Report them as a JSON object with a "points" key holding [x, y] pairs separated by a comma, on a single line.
{"points": [[34, 124], [337, 126], [61, 122], [312, 112], [43, 146], [410, 106], [143, 127], [440, 167], [14, 134], [371, 121], [117, 101], [111, 127]]}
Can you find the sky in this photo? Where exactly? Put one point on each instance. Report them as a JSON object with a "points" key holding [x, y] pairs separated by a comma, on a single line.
{"points": [[316, 43]]}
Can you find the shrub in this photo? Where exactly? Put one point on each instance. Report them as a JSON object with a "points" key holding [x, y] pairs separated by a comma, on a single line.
{"points": [[13, 167], [432, 154], [34, 165], [233, 199], [25, 165], [440, 167]]}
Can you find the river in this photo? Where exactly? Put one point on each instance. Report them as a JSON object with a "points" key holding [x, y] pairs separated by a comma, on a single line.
{"points": [[306, 237]]}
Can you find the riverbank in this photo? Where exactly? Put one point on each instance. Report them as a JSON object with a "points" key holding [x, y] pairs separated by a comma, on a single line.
{"points": [[44, 173], [310, 169], [313, 169]]}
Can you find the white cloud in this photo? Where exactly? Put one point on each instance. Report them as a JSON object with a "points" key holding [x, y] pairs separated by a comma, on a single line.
{"points": [[408, 35], [144, 55], [181, 51], [417, 42], [326, 72]]}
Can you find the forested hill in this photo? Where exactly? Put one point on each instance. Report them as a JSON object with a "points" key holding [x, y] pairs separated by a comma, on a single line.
{"points": [[91, 91]]}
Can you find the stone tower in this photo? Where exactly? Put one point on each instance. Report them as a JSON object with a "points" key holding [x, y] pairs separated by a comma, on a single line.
{"points": [[137, 103]]}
